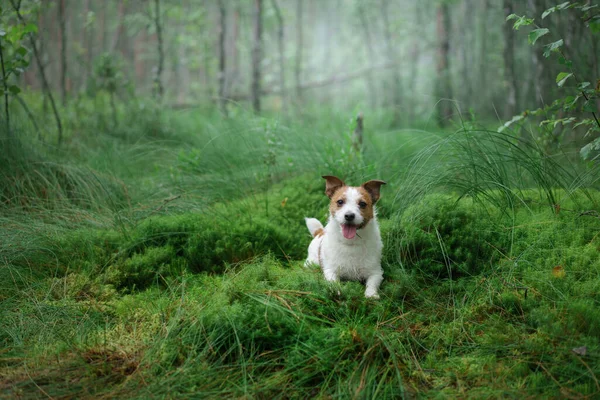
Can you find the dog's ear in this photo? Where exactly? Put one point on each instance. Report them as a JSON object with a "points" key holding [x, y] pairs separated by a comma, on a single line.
{"points": [[373, 188], [333, 183]]}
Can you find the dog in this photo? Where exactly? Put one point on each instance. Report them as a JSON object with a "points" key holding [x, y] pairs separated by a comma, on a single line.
{"points": [[349, 246]]}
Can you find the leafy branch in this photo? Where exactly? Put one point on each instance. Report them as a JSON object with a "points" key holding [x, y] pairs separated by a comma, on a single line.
{"points": [[584, 89]]}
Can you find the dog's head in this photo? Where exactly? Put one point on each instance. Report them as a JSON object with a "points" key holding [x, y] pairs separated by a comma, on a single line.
{"points": [[352, 206]]}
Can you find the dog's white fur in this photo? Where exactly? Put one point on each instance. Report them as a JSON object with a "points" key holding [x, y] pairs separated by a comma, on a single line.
{"points": [[351, 259]]}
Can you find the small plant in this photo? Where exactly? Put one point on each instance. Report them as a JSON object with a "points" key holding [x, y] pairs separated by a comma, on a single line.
{"points": [[13, 59], [578, 108], [109, 77]]}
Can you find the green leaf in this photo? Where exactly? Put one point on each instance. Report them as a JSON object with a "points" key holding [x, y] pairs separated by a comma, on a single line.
{"points": [[535, 34], [585, 151], [554, 46], [588, 148], [564, 61], [586, 121], [583, 85], [511, 17], [514, 119], [562, 6], [14, 89], [522, 21], [562, 78], [30, 28], [21, 51]]}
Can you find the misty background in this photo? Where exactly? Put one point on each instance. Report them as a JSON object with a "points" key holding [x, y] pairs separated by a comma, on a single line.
{"points": [[421, 60]]}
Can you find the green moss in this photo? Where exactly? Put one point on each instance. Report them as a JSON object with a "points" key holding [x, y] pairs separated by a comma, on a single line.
{"points": [[444, 238]]}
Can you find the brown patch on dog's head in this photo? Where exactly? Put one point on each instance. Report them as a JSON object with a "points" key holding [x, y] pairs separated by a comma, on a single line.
{"points": [[372, 188], [319, 232], [365, 205], [332, 185]]}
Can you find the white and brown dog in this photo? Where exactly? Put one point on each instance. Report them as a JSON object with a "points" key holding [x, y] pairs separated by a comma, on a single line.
{"points": [[349, 247]]}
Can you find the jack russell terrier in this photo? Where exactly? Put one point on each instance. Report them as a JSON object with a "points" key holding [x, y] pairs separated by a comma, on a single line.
{"points": [[349, 247]]}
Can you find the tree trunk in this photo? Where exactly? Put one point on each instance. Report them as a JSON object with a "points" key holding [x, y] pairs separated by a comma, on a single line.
{"points": [[233, 77], [257, 56], [414, 59], [392, 58], [444, 90], [536, 8], [370, 52], [87, 33], [62, 21], [281, 48], [5, 90], [222, 56], [299, 44], [467, 67], [36, 55], [103, 29], [510, 76], [483, 32], [158, 86], [120, 27]]}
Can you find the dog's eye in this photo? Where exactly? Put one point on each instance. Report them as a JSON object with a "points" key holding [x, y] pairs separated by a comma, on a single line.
{"points": [[362, 204], [340, 202]]}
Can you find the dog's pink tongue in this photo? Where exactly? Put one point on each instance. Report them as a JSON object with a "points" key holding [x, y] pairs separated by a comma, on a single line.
{"points": [[349, 231]]}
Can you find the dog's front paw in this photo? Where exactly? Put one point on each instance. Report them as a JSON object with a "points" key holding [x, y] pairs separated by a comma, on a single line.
{"points": [[371, 295]]}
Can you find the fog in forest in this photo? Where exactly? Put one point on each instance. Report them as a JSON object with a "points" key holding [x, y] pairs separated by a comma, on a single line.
{"points": [[420, 60]]}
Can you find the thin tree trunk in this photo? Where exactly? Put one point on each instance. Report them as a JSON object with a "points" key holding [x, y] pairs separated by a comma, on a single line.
{"points": [[444, 91], [235, 56], [510, 76], [466, 49], [36, 55], [392, 58], [120, 27], [414, 60], [257, 56], [62, 21], [222, 56], [299, 45], [5, 89], [535, 7], [30, 115], [281, 48], [483, 50], [88, 40], [104, 30], [364, 23], [158, 86]]}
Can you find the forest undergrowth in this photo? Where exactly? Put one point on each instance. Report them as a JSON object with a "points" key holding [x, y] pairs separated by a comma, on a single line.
{"points": [[164, 258]]}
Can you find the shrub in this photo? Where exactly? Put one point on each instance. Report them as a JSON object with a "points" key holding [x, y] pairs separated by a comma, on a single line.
{"points": [[443, 237]]}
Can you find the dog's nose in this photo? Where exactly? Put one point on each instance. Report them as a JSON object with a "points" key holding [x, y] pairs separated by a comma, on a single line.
{"points": [[349, 217]]}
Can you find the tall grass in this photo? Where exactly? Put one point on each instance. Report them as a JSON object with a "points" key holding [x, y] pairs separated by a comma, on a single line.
{"points": [[162, 257]]}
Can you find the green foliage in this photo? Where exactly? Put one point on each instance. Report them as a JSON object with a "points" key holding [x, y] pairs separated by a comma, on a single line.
{"points": [[582, 96], [444, 238], [108, 74], [15, 55], [535, 34]]}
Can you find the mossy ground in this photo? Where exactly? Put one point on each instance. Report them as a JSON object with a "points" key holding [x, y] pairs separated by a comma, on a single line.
{"points": [[212, 300]]}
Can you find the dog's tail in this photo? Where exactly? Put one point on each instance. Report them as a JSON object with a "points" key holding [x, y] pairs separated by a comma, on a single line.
{"points": [[314, 226]]}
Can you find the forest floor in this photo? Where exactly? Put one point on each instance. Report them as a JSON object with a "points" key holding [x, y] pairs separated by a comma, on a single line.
{"points": [[165, 259]]}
